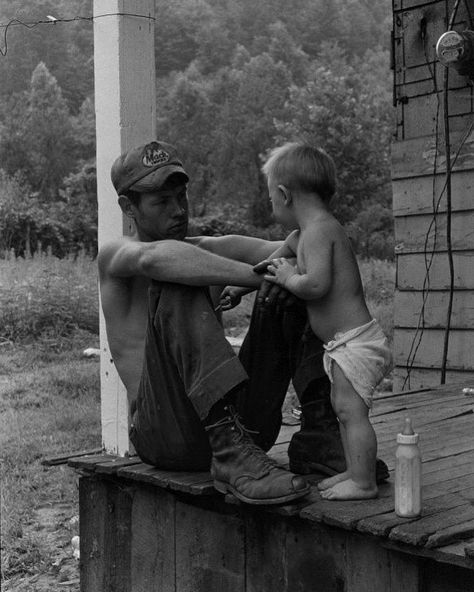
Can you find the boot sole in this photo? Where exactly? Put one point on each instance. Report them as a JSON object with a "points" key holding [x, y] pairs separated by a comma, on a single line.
{"points": [[224, 488]]}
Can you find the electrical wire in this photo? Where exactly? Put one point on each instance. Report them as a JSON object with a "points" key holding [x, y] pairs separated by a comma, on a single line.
{"points": [[454, 13], [448, 189], [449, 245], [428, 263], [416, 341], [30, 25]]}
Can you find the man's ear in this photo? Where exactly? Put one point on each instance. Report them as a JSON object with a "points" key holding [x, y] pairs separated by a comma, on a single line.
{"points": [[126, 205], [287, 198]]}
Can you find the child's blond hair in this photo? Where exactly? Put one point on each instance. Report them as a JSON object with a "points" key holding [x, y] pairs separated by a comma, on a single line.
{"points": [[300, 166]]}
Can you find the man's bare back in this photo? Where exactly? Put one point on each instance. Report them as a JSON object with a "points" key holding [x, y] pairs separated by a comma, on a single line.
{"points": [[124, 303]]}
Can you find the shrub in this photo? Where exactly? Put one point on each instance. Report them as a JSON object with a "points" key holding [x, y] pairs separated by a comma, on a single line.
{"points": [[43, 297], [378, 278], [67, 225], [222, 223]]}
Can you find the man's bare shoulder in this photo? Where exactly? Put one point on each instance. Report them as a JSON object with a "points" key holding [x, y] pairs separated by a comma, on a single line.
{"points": [[109, 248], [114, 258]]}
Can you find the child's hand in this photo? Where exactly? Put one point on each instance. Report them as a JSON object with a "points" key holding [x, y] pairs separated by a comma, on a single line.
{"points": [[230, 298], [280, 271], [262, 267]]}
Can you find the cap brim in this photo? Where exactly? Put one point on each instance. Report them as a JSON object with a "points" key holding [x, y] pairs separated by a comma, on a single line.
{"points": [[157, 178]]}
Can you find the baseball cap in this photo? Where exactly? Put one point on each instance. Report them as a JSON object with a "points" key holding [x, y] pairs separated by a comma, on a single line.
{"points": [[146, 167]]}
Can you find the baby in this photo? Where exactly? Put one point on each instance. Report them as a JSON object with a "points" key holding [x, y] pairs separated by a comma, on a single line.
{"points": [[301, 182]]}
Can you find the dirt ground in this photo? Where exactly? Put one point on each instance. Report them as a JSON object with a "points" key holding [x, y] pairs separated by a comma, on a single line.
{"points": [[55, 524]]}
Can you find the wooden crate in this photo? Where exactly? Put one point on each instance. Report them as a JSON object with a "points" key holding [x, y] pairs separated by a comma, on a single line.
{"points": [[143, 529]]}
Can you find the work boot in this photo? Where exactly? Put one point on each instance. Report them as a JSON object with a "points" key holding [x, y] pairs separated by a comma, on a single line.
{"points": [[240, 467], [317, 446]]}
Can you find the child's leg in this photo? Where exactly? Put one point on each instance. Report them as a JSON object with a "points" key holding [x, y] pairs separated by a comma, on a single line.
{"points": [[330, 481], [360, 443]]}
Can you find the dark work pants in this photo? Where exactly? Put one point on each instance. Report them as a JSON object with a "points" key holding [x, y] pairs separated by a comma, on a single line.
{"points": [[189, 366]]}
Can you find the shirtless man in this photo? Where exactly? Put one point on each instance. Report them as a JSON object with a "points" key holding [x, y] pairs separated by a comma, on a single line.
{"points": [[183, 380]]}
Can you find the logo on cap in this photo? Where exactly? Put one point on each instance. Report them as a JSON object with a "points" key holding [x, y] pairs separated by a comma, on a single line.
{"points": [[154, 155]]}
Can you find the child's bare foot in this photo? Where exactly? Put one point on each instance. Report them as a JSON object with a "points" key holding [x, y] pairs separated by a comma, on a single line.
{"points": [[349, 490], [330, 481]]}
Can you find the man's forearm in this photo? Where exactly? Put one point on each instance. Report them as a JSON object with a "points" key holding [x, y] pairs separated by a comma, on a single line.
{"points": [[247, 249], [183, 263]]}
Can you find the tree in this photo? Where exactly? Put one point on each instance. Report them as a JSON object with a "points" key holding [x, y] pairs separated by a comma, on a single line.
{"points": [[187, 121], [245, 131], [340, 109], [48, 134], [83, 127], [371, 231], [18, 213], [79, 209], [13, 147]]}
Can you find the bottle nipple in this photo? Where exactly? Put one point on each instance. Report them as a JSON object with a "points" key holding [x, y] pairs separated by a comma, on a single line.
{"points": [[407, 429], [407, 435]]}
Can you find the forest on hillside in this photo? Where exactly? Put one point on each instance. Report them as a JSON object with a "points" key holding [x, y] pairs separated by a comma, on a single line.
{"points": [[235, 78]]}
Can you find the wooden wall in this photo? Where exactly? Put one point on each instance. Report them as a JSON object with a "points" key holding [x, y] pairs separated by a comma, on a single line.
{"points": [[420, 199], [146, 539]]}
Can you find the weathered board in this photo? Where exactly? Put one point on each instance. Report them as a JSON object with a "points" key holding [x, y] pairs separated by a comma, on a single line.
{"points": [[104, 529], [153, 544], [426, 378], [170, 540], [425, 154], [427, 194], [408, 306], [427, 97], [427, 233], [430, 347], [414, 271]]}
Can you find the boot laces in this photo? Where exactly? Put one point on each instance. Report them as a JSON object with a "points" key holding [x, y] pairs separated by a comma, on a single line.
{"points": [[244, 438]]}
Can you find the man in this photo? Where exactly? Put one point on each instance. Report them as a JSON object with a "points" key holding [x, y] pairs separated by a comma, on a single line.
{"points": [[183, 380]]}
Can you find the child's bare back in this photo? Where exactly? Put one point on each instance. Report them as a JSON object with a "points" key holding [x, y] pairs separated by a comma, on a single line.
{"points": [[324, 246]]}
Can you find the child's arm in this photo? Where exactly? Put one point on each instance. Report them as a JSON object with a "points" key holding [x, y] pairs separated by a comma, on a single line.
{"points": [[316, 281]]}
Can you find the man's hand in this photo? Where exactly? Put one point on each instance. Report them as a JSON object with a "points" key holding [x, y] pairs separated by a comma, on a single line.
{"points": [[230, 298], [272, 292]]}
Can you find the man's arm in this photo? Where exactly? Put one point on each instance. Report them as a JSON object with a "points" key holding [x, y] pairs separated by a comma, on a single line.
{"points": [[287, 250], [247, 249], [315, 281], [173, 261]]}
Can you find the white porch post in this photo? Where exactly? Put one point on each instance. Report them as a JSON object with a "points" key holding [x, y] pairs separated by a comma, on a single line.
{"points": [[124, 65]]}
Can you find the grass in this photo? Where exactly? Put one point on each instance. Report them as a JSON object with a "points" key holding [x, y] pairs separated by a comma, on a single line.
{"points": [[48, 298], [50, 399], [47, 406]]}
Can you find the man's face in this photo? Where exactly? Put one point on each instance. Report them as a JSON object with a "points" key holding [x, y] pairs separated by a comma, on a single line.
{"points": [[162, 214]]}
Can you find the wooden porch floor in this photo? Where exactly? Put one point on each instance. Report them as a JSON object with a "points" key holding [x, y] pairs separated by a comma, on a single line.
{"points": [[444, 419]]}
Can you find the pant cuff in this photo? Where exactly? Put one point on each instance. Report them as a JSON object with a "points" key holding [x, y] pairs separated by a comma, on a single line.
{"points": [[215, 385]]}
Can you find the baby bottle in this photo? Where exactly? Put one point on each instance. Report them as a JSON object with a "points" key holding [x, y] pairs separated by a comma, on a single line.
{"points": [[407, 473]]}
